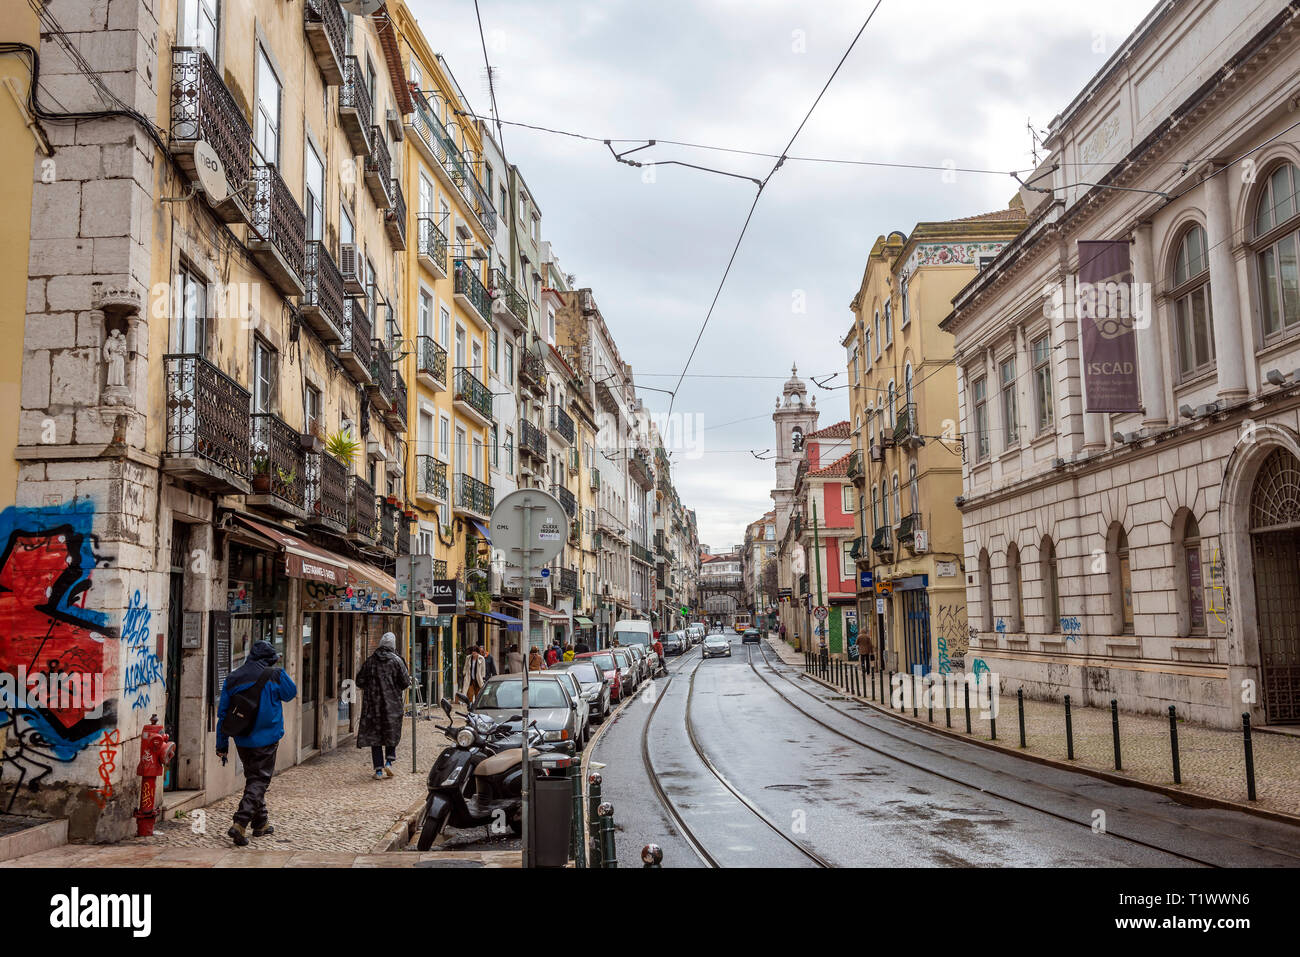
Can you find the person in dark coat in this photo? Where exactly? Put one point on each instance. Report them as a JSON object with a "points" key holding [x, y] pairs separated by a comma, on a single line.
{"points": [[382, 679], [257, 748]]}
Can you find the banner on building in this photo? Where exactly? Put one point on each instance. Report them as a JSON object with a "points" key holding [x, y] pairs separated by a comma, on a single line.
{"points": [[1105, 304]]}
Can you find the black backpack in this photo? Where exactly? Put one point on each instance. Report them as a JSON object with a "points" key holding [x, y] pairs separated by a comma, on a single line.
{"points": [[241, 715]]}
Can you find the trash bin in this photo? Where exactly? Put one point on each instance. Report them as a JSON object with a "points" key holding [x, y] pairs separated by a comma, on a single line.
{"points": [[552, 812]]}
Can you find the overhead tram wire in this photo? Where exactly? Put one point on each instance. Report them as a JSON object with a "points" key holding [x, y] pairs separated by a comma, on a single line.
{"points": [[758, 195]]}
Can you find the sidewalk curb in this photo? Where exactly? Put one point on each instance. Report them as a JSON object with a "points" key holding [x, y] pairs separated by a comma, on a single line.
{"points": [[1184, 797], [399, 835]]}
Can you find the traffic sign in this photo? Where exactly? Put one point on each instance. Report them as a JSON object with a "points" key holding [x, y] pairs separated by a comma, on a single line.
{"points": [[820, 612], [547, 520]]}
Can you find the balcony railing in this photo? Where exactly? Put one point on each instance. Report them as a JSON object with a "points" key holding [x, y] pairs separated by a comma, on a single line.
{"points": [[396, 415], [562, 423], [642, 554], [512, 299], [907, 526], [638, 466], [387, 524], [566, 582], [905, 426], [395, 217], [567, 500], [532, 440], [379, 169], [327, 491], [207, 415], [354, 350], [327, 33], [431, 477], [595, 480], [532, 370], [281, 228], [322, 306], [279, 464], [355, 110], [473, 393], [203, 109], [432, 243], [363, 516], [471, 289], [381, 375], [472, 495], [431, 360], [883, 540], [860, 547], [856, 469]]}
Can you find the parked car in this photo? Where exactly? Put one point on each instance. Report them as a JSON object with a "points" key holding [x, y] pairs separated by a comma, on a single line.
{"points": [[643, 671], [751, 635], [675, 643], [627, 669], [608, 666], [637, 631], [695, 633], [716, 646], [550, 705], [574, 687], [595, 686]]}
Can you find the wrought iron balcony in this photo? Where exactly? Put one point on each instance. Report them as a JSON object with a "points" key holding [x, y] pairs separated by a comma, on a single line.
{"points": [[387, 525], [396, 414], [562, 424], [907, 526], [203, 110], [508, 300], [567, 501], [638, 466], [642, 554], [278, 240], [432, 246], [363, 515], [207, 425], [532, 371], [279, 466], [472, 496], [473, 396], [430, 478], [532, 441], [566, 582], [354, 350], [355, 110], [327, 492], [883, 540], [380, 388], [479, 199], [860, 548], [470, 291], [351, 269], [857, 472], [322, 305], [379, 169], [395, 217], [575, 530], [905, 427], [431, 363], [327, 34], [595, 480]]}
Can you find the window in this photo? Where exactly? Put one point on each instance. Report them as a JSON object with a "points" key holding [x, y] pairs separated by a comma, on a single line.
{"points": [[312, 410], [461, 451], [848, 568], [263, 375], [890, 401], [846, 499], [509, 450], [1014, 597], [889, 323], [1010, 413], [476, 361], [907, 312], [1279, 276], [1047, 573], [444, 439], [347, 235], [1187, 573], [884, 502], [424, 435], [907, 388], [1040, 351], [550, 326], [898, 504], [1121, 586], [426, 313], [510, 363], [986, 590], [866, 351], [314, 174], [979, 390], [875, 509], [190, 314], [496, 447], [915, 486], [1191, 297], [268, 110], [199, 23], [876, 326], [459, 356], [444, 327], [494, 351]]}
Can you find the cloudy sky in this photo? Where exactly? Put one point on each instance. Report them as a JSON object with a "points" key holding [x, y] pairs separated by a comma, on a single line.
{"points": [[929, 83]]}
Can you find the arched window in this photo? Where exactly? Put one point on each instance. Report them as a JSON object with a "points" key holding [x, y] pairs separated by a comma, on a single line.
{"points": [[986, 590], [890, 397], [907, 384], [1014, 600], [1190, 293], [915, 488], [1051, 585], [889, 323], [902, 292], [877, 331], [1187, 573], [884, 498], [1121, 585], [898, 505], [1277, 246], [875, 509]]}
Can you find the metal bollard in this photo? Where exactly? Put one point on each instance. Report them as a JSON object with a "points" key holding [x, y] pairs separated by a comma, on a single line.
{"points": [[1250, 756], [593, 818], [1020, 703], [929, 696], [577, 835], [652, 855], [913, 694], [993, 715], [966, 685], [891, 691], [947, 705], [1069, 731], [1114, 730], [1173, 743], [607, 853]]}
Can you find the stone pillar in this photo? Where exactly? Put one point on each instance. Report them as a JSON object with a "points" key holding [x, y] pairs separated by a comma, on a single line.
{"points": [[1229, 352], [1147, 329]]}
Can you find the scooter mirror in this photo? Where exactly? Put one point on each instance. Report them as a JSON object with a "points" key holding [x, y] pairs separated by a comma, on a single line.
{"points": [[460, 696], [514, 717], [446, 706]]}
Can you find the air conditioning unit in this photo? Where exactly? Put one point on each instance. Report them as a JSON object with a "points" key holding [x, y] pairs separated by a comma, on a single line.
{"points": [[920, 541]]}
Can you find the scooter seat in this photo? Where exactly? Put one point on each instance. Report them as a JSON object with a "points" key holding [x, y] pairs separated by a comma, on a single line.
{"points": [[502, 762]]}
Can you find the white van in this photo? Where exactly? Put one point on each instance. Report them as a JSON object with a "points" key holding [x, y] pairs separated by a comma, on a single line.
{"points": [[637, 631]]}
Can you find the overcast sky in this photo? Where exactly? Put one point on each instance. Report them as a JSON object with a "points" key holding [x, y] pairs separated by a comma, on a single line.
{"points": [[928, 83]]}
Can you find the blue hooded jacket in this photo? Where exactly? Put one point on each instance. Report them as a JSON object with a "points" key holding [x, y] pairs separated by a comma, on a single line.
{"points": [[270, 717]]}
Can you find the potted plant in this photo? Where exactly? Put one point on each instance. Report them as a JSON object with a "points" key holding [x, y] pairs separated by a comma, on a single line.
{"points": [[392, 500], [343, 446], [261, 472], [482, 601], [286, 476]]}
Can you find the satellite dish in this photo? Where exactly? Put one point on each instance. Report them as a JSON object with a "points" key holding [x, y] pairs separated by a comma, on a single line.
{"points": [[211, 173], [363, 8]]}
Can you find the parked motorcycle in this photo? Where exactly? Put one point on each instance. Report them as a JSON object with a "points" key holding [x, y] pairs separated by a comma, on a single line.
{"points": [[475, 780]]}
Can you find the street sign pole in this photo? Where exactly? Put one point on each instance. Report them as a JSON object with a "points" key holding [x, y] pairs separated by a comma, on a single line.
{"points": [[525, 560], [410, 649]]}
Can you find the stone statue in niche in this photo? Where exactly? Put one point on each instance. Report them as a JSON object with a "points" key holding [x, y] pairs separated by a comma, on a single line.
{"points": [[114, 355]]}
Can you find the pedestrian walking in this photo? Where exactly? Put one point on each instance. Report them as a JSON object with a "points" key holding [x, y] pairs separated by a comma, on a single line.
{"points": [[475, 672], [535, 661], [568, 653], [582, 648], [781, 631], [552, 655], [382, 680], [489, 663], [514, 660], [659, 650], [250, 710]]}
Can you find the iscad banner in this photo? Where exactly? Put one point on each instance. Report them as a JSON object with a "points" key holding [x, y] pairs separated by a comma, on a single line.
{"points": [[1105, 303]]}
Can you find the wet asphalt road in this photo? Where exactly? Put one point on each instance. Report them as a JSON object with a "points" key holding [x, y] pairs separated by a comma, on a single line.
{"points": [[789, 774]]}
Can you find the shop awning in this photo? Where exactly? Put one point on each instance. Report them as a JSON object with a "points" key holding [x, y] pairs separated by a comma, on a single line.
{"points": [[541, 611], [302, 559], [482, 530], [365, 591], [584, 622], [512, 624]]}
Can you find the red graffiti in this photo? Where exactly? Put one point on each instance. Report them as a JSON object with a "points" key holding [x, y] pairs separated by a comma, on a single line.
{"points": [[108, 746]]}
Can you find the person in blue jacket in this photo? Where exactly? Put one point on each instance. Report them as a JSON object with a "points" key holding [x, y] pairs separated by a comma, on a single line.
{"points": [[257, 749]]}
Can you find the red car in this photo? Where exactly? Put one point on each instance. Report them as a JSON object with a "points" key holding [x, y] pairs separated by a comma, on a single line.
{"points": [[604, 660]]}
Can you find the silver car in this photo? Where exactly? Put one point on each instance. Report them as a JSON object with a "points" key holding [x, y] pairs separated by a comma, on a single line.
{"points": [[580, 701], [716, 646], [550, 706]]}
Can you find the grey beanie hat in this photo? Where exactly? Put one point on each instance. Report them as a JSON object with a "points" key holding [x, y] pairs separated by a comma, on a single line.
{"points": [[389, 641]]}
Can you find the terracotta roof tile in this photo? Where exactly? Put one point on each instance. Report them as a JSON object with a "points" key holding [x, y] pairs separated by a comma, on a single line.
{"points": [[840, 430], [837, 468]]}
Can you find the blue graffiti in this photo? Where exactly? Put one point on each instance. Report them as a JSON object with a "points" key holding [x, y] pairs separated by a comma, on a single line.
{"points": [[143, 667], [1001, 626], [1071, 626]]}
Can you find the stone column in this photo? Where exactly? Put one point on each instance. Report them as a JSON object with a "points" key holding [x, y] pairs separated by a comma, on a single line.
{"points": [[1229, 352], [1147, 330]]}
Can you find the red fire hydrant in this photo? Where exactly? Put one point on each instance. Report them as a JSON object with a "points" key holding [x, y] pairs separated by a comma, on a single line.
{"points": [[156, 752]]}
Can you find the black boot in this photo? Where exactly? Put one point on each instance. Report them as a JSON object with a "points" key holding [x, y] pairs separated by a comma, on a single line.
{"points": [[261, 830], [236, 834]]}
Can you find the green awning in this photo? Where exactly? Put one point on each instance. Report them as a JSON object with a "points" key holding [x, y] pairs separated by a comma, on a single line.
{"points": [[584, 622]]}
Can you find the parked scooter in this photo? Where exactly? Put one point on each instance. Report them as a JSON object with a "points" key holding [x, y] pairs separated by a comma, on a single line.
{"points": [[476, 781]]}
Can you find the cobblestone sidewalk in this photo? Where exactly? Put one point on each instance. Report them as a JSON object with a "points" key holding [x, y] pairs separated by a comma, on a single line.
{"points": [[1212, 761]]}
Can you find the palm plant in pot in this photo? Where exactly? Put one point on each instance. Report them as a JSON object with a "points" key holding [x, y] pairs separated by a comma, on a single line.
{"points": [[343, 446]]}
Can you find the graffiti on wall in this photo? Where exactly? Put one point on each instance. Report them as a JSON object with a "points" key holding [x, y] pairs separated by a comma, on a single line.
{"points": [[47, 558], [143, 666], [950, 632], [108, 747], [1071, 626]]}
